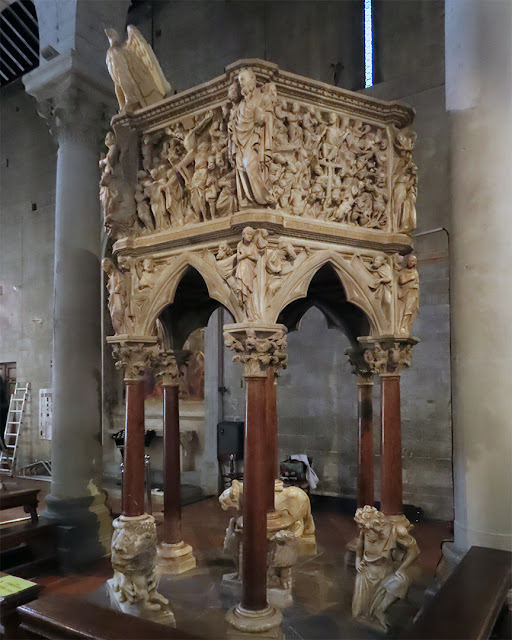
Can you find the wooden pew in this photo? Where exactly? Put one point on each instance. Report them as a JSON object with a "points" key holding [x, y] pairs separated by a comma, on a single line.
{"points": [[61, 616], [468, 604], [26, 498]]}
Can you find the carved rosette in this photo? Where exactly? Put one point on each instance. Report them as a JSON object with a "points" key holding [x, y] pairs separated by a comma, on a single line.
{"points": [[166, 368], [134, 358], [388, 356], [135, 580], [257, 347], [360, 367]]}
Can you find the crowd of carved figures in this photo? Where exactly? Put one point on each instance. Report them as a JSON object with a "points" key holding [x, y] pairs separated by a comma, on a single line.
{"points": [[260, 149], [255, 270]]}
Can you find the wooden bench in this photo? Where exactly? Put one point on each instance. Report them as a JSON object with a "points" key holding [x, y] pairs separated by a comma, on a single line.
{"points": [[27, 550], [60, 616], [469, 602], [26, 498]]}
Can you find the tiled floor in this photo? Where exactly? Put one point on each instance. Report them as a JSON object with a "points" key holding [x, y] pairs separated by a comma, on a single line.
{"points": [[322, 585]]}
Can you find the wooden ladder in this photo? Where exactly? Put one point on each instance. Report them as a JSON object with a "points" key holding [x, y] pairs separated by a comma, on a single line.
{"points": [[12, 429]]}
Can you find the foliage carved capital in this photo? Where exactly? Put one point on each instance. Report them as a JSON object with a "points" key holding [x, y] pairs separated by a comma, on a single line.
{"points": [[387, 355], [257, 346], [133, 357]]}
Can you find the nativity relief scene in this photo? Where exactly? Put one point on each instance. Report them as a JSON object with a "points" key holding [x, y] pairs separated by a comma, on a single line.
{"points": [[245, 415]]}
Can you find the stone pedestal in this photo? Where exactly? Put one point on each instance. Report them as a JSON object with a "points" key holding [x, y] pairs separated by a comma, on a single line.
{"points": [[249, 623], [175, 558]]}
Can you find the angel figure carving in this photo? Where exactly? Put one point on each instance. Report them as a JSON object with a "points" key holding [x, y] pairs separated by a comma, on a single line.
{"points": [[137, 75]]}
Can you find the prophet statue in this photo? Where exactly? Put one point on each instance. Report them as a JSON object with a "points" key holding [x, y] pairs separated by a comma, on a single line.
{"points": [[137, 75]]}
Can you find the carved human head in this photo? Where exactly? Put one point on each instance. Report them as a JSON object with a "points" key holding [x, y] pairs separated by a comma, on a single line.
{"points": [[109, 139], [234, 92], [247, 81], [378, 261], [148, 264], [332, 118], [107, 265], [270, 89], [248, 234], [295, 107], [411, 261], [211, 162]]}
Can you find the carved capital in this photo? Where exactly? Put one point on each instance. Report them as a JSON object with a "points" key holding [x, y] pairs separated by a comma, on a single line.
{"points": [[387, 355], [167, 368], [360, 367], [75, 102], [257, 346], [134, 357]]}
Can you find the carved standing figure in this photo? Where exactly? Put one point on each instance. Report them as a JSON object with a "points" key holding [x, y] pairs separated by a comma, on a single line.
{"points": [[383, 279], [408, 293], [137, 75], [385, 551], [251, 140], [247, 256], [118, 295]]}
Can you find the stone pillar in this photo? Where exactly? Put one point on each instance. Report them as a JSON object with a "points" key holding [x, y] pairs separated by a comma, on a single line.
{"points": [[74, 108], [479, 103], [365, 461], [133, 589], [174, 556], [387, 357], [256, 347]]}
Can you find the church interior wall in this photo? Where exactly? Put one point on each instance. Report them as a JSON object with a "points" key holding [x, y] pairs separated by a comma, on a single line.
{"points": [[317, 394], [27, 208]]}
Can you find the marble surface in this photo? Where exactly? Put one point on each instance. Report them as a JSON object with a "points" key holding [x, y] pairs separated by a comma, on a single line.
{"points": [[322, 593]]}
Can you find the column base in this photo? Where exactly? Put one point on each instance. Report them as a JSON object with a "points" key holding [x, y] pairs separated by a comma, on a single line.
{"points": [[245, 623], [84, 529], [133, 589], [175, 559], [307, 545]]}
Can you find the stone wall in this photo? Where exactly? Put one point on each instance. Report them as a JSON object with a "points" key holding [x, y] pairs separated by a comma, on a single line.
{"points": [[317, 395], [27, 206]]}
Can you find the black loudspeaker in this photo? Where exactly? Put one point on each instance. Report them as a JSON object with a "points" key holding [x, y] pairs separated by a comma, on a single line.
{"points": [[230, 439]]}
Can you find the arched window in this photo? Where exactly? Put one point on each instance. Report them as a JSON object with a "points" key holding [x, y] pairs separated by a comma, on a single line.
{"points": [[19, 40], [368, 43]]}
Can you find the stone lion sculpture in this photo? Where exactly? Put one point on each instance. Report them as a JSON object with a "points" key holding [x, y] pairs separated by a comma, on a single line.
{"points": [[134, 562], [290, 501]]}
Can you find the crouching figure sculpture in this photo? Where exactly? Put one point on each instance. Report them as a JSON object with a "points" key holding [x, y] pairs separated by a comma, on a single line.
{"points": [[385, 552]]}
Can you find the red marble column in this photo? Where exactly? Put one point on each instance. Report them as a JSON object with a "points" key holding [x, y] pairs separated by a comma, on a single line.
{"points": [[365, 475], [391, 445], [256, 497], [271, 436], [133, 457], [172, 481]]}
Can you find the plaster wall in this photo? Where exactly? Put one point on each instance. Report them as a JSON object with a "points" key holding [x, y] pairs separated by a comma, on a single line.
{"points": [[27, 208], [317, 395]]}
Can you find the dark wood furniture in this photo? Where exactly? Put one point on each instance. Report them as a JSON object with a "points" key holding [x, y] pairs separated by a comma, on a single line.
{"points": [[27, 550], [26, 498], [9, 620], [61, 616], [469, 602]]}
